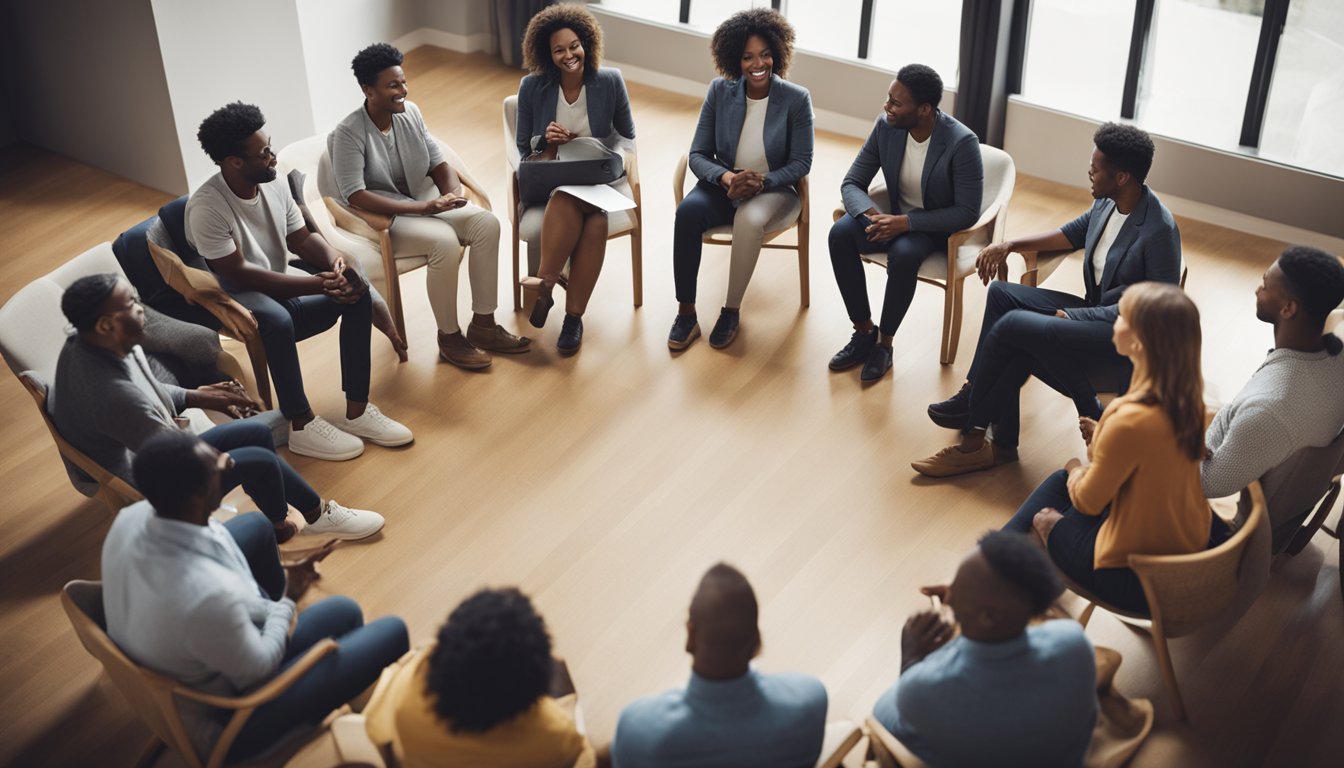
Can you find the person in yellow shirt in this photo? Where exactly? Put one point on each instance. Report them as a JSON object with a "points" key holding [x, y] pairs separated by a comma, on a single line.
{"points": [[482, 694], [1139, 492]]}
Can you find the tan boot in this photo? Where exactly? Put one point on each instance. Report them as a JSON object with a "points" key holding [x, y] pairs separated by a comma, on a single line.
{"points": [[455, 349], [497, 339]]}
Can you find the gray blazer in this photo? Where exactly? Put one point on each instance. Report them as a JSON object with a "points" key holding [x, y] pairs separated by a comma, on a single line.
{"points": [[608, 108], [953, 180], [788, 131], [1148, 247]]}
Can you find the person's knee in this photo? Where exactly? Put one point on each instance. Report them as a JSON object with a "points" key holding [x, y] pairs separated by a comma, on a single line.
{"points": [[485, 228], [252, 528], [253, 432], [394, 636], [344, 612]]}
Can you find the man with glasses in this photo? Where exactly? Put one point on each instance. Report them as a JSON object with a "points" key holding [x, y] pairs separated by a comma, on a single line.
{"points": [[244, 223], [107, 402]]}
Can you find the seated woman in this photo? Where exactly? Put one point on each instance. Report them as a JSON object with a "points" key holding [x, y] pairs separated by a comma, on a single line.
{"points": [[1140, 493], [752, 146], [568, 95], [481, 695]]}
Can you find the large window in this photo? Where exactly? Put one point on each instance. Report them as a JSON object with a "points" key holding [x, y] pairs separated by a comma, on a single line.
{"points": [[916, 32], [1076, 54], [1306, 99]]}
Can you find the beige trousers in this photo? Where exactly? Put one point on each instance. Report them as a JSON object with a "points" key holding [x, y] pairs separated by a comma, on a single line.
{"points": [[441, 238]]}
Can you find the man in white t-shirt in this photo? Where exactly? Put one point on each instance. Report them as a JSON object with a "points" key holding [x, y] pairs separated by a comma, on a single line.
{"points": [[1064, 340], [244, 223]]}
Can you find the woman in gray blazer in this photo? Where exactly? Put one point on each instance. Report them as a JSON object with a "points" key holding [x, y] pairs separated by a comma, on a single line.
{"points": [[567, 95], [752, 146]]}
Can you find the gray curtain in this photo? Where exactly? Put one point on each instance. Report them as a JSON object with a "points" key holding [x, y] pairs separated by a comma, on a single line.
{"points": [[984, 67], [510, 20]]}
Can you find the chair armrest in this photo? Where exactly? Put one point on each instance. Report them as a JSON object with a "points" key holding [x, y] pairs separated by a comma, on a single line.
{"points": [[804, 197], [357, 220], [202, 289], [883, 744], [841, 737], [679, 179], [474, 187], [273, 687]]}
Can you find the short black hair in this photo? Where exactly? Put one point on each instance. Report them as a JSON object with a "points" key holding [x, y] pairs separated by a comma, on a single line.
{"points": [[1127, 148], [1314, 278], [551, 19], [923, 83], [167, 470], [1020, 562], [730, 39], [224, 133], [492, 662], [374, 59], [82, 303]]}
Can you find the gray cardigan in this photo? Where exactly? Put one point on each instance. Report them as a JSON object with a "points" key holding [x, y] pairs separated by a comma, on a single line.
{"points": [[788, 131], [360, 160], [608, 108], [952, 181]]}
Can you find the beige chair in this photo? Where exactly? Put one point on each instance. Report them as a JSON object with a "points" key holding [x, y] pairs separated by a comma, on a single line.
{"points": [[723, 235], [949, 270], [152, 695], [527, 221], [1187, 592], [840, 739]]}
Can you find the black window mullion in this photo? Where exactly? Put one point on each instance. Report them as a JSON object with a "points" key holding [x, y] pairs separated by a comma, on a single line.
{"points": [[1017, 46], [1262, 72], [685, 15], [1144, 10], [865, 28]]}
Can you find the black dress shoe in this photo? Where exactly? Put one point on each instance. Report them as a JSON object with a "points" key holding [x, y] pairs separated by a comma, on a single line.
{"points": [[725, 328], [685, 330], [856, 351], [571, 336], [877, 364], [953, 412]]}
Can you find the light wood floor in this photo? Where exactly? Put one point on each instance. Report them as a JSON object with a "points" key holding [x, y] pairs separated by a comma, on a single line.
{"points": [[605, 484]]}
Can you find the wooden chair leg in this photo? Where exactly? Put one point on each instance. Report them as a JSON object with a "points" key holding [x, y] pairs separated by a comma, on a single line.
{"points": [[954, 333], [804, 272], [1168, 672], [948, 301], [517, 278], [150, 754], [637, 263], [393, 281], [257, 354], [1086, 615]]}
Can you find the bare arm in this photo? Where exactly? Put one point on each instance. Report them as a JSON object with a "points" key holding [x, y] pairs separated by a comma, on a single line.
{"points": [[278, 285], [450, 193], [993, 256]]}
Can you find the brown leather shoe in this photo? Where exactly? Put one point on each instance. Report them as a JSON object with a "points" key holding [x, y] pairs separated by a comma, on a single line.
{"points": [[455, 349], [497, 339], [953, 461]]}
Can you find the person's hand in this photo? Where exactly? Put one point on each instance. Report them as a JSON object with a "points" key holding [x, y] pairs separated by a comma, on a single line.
{"points": [[924, 633], [1061, 313], [447, 202], [1088, 428], [886, 226], [337, 287], [745, 184], [1072, 464], [1044, 522], [988, 261], [557, 134], [226, 397]]}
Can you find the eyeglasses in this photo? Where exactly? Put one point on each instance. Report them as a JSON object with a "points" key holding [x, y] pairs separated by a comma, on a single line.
{"points": [[266, 153]]}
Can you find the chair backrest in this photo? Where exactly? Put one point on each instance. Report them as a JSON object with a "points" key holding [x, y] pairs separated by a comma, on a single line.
{"points": [[1186, 592], [1293, 488], [511, 131], [85, 474], [149, 693], [1000, 179]]}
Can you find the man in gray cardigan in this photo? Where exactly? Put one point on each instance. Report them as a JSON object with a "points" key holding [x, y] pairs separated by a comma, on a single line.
{"points": [[935, 176]]}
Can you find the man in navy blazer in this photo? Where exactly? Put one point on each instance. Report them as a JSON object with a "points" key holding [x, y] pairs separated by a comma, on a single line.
{"points": [[934, 174], [1128, 236]]}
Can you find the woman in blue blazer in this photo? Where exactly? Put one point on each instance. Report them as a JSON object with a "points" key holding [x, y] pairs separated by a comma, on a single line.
{"points": [[567, 95], [752, 146]]}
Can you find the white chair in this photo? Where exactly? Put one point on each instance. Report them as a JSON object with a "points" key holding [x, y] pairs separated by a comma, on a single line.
{"points": [[527, 221], [948, 270]]}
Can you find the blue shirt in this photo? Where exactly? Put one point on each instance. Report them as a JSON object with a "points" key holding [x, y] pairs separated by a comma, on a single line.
{"points": [[756, 719], [1028, 701]]}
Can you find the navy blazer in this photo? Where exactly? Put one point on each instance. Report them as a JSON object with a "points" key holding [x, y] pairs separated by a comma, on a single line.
{"points": [[952, 182], [608, 108], [1148, 247], [788, 131]]}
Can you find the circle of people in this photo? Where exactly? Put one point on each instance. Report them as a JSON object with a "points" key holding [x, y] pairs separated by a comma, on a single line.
{"points": [[210, 605]]}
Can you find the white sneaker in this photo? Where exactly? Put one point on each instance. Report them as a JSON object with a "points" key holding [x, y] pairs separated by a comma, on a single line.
{"points": [[344, 523], [378, 429], [321, 440]]}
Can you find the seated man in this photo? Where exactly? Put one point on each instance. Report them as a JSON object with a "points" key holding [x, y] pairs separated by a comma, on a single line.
{"points": [[1024, 695], [107, 402], [383, 156], [242, 220], [728, 714], [1128, 237], [484, 694], [1293, 400], [935, 177], [209, 604]]}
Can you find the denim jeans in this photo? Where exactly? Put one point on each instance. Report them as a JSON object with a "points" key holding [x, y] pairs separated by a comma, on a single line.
{"points": [[267, 478], [904, 255]]}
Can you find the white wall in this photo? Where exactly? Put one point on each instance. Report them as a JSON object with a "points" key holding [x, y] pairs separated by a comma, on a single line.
{"points": [[458, 25], [243, 50]]}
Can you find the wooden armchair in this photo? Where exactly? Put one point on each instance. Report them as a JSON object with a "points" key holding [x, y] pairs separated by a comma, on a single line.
{"points": [[152, 695]]}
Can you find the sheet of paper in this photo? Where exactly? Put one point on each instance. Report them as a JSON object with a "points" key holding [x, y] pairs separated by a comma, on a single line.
{"points": [[600, 195]]}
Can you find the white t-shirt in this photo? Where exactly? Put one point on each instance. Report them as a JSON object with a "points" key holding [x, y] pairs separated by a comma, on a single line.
{"points": [[912, 173], [1103, 249], [218, 222], [574, 117], [751, 142]]}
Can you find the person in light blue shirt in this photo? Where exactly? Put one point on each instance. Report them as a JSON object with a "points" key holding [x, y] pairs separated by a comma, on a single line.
{"points": [[1001, 691], [728, 714]]}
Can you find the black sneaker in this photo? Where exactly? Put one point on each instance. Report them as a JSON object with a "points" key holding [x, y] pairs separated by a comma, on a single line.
{"points": [[877, 364], [571, 336], [725, 328], [856, 351], [685, 330], [953, 412]]}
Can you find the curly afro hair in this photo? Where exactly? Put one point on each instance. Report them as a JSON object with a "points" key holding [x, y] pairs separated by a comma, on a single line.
{"points": [[374, 59], [1126, 148], [730, 39], [1018, 561], [82, 302], [552, 19], [923, 83], [224, 133], [493, 661], [1314, 278]]}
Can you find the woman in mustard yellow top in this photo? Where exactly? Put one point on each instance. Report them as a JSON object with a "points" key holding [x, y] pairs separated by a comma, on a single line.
{"points": [[1139, 491], [480, 695]]}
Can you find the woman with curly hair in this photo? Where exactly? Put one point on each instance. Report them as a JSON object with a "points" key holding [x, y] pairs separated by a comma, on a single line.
{"points": [[752, 146], [480, 695], [567, 95]]}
